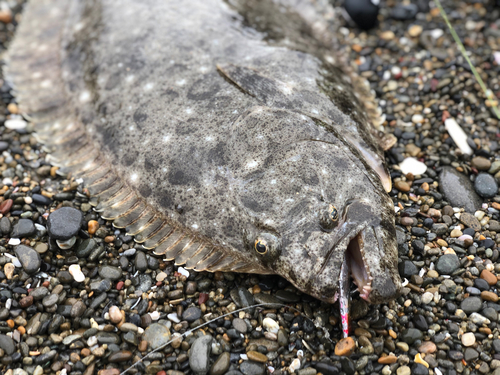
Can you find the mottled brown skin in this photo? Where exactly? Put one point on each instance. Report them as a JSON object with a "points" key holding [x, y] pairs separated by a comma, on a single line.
{"points": [[231, 135]]}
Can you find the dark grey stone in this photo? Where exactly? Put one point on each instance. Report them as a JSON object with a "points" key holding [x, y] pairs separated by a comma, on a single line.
{"points": [[64, 223], [29, 258], [458, 190]]}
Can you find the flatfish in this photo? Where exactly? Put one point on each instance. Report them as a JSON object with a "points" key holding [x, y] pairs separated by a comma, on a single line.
{"points": [[223, 135]]}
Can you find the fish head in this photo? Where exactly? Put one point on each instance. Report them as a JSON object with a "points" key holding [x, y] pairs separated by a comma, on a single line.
{"points": [[310, 204]]}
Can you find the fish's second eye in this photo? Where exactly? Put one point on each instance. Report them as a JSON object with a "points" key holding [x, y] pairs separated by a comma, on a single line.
{"points": [[260, 247], [333, 213]]}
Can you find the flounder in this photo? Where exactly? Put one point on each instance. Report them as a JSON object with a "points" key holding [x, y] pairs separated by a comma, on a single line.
{"points": [[226, 136]]}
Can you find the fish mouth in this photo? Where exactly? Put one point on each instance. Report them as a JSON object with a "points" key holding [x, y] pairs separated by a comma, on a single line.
{"points": [[358, 266]]}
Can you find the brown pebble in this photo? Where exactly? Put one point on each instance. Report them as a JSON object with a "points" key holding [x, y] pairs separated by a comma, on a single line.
{"points": [[115, 315], [362, 332], [402, 186], [12, 108], [93, 226], [26, 301], [489, 296], [85, 352], [489, 277], [427, 347], [6, 17], [407, 221], [481, 163], [256, 356], [345, 347], [109, 239], [120, 356], [388, 359], [143, 346], [470, 220], [109, 371], [5, 206]]}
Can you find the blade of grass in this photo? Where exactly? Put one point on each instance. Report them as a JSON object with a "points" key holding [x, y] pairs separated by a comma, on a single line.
{"points": [[487, 93]]}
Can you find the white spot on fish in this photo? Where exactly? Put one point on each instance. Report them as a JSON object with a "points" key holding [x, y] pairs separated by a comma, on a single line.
{"points": [[84, 96], [252, 164], [180, 82], [273, 182], [133, 177], [194, 226], [148, 86], [46, 83], [209, 138], [129, 78], [315, 111], [166, 138], [203, 69], [189, 111]]}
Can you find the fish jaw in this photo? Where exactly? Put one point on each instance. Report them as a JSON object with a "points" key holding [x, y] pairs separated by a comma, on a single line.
{"points": [[366, 242]]}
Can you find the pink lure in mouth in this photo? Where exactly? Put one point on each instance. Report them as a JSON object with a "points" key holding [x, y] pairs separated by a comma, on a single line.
{"points": [[354, 257]]}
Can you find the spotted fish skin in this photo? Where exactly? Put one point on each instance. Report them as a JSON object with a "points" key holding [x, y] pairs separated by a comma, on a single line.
{"points": [[206, 137]]}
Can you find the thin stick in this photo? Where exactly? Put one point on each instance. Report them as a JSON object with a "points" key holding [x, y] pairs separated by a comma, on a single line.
{"points": [[487, 93]]}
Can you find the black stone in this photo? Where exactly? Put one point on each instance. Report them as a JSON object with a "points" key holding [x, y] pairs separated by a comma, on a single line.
{"points": [[29, 258], [407, 269], [24, 228], [458, 190], [486, 185], [64, 223]]}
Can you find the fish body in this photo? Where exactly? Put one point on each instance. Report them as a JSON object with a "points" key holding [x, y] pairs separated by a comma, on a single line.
{"points": [[226, 136]]}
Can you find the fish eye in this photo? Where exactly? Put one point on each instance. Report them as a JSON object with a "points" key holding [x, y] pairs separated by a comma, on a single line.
{"points": [[328, 217], [333, 213], [260, 246]]}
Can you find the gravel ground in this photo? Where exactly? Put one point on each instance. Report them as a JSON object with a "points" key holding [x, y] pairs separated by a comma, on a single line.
{"points": [[78, 296]]}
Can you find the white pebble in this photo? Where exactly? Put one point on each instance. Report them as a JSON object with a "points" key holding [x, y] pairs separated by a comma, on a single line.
{"points": [[15, 124], [458, 135], [496, 54], [155, 315], [183, 271], [28, 200], [479, 214], [270, 325], [468, 339], [7, 181], [92, 340], [437, 371], [173, 317], [40, 229], [77, 273], [437, 33], [417, 119], [478, 318], [244, 357], [412, 165], [427, 297], [14, 241], [295, 365]]}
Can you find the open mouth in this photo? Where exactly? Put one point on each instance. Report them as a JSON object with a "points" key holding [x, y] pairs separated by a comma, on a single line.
{"points": [[357, 265]]}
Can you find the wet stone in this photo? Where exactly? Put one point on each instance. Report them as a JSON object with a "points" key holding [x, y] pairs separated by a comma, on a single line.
{"points": [[191, 314], [120, 356], [29, 258], [410, 335], [7, 344], [486, 185], [407, 268], [156, 335], [110, 273], [5, 225], [41, 200], [24, 228], [84, 248], [447, 264], [458, 189], [240, 325], [470, 220], [221, 364], [141, 262], [199, 360], [252, 368], [101, 286], [64, 223], [471, 304]]}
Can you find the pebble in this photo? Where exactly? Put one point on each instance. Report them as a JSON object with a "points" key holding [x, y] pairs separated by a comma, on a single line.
{"points": [[24, 228], [199, 359], [486, 185], [345, 347], [77, 273], [490, 278], [64, 223], [221, 364], [447, 264], [29, 258], [471, 304], [458, 189], [252, 368], [156, 335], [412, 165], [15, 124]]}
